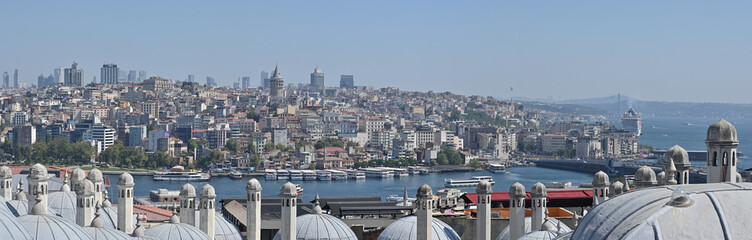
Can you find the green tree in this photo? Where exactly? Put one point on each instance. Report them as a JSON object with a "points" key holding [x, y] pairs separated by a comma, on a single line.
{"points": [[329, 142], [255, 161], [232, 145]]}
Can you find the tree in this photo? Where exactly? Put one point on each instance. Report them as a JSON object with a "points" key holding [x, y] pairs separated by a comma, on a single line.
{"points": [[329, 142], [192, 144], [475, 163], [255, 161], [232, 145], [251, 114], [150, 127], [442, 159]]}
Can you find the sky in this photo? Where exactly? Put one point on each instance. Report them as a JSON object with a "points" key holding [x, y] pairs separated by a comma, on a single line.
{"points": [[696, 51]]}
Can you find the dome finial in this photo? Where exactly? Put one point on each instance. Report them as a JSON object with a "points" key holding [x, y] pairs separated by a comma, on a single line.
{"points": [[139, 231], [39, 208], [174, 218], [106, 202]]}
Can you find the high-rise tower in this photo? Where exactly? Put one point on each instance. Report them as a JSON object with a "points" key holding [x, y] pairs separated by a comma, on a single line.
{"points": [[317, 79], [15, 78], [109, 74], [74, 76]]}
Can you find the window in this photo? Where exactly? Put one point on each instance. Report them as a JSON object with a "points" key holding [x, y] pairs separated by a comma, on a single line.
{"points": [[733, 158], [725, 158], [715, 158]]}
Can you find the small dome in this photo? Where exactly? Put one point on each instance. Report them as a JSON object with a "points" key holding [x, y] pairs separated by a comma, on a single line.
{"points": [[207, 191], [678, 155], [320, 226], [78, 175], [175, 231], [722, 131], [406, 229], [484, 187], [52, 227], [188, 191], [504, 235], [5, 172], [95, 175], [224, 230], [11, 228], [126, 179], [101, 233], [253, 185], [21, 207], [600, 179], [138, 232], [39, 172], [517, 190], [616, 187], [288, 190], [85, 187], [645, 176], [539, 190], [425, 191], [661, 178], [63, 203], [540, 235]]}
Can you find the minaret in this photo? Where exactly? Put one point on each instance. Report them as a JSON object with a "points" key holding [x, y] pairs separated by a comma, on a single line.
{"points": [[207, 210], [681, 162], [289, 195], [95, 176], [6, 179], [85, 202], [253, 209], [424, 214], [538, 206], [483, 224], [38, 177], [600, 188], [188, 204], [516, 211], [125, 203], [721, 143], [77, 176]]}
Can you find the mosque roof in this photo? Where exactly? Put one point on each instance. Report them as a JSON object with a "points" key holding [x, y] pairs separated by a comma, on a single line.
{"points": [[672, 212], [174, 230], [11, 228], [224, 230], [321, 226], [504, 235], [52, 227], [406, 229], [63, 203]]}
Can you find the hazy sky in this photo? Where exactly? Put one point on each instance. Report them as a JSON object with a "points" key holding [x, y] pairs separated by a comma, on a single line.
{"points": [[651, 50]]}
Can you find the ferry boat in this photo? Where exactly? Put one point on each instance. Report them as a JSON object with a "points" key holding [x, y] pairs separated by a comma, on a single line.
{"points": [[181, 176], [472, 182], [309, 175], [236, 175], [377, 172], [496, 168], [355, 174], [400, 173], [324, 175], [283, 175], [338, 175], [417, 170], [270, 174], [296, 175]]}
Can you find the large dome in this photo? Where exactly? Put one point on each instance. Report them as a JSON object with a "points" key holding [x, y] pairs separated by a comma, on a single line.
{"points": [[99, 232], [406, 229], [21, 207], [52, 227], [321, 226], [504, 235], [174, 230], [109, 214], [64, 204], [722, 131], [224, 230], [11, 228], [668, 213]]}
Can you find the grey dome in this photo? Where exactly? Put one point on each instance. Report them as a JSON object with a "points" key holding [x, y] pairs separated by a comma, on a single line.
{"points": [[600, 179], [539, 190], [406, 229], [253, 185], [109, 215], [52, 227], [188, 191], [63, 203], [21, 207], [504, 235], [4, 206], [565, 236], [517, 190], [101, 233], [645, 176], [175, 231], [224, 230], [424, 191], [126, 179], [484, 187], [714, 211], [138, 232], [661, 177], [5, 172], [616, 187], [78, 175], [288, 190], [321, 226], [540, 235], [11, 228], [39, 172], [95, 175], [207, 191], [722, 131], [678, 155], [84, 187]]}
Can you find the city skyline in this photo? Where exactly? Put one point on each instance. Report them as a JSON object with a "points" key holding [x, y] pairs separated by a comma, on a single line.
{"points": [[578, 49]]}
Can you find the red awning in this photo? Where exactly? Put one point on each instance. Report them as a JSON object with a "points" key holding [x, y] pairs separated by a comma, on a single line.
{"points": [[552, 195]]}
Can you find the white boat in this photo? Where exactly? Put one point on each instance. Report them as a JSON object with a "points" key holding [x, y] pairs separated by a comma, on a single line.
{"points": [[472, 182], [417, 170], [496, 168], [337, 174], [235, 175], [355, 174], [270, 174], [283, 175], [309, 175], [181, 176], [324, 175], [378, 172], [296, 175]]}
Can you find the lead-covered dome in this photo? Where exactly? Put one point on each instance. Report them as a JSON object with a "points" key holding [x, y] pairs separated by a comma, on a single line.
{"points": [[98, 231], [645, 176], [406, 229], [678, 155], [321, 226], [126, 179], [63, 203], [722, 131], [5, 172], [484, 187], [253, 185], [39, 172], [95, 175], [517, 190], [504, 235], [600, 179], [11, 228], [174, 230], [288, 190], [43, 226], [225, 230], [539, 190], [188, 191]]}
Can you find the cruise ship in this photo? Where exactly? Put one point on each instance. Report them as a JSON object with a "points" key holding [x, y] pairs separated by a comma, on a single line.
{"points": [[181, 176], [632, 121], [472, 182], [496, 168]]}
